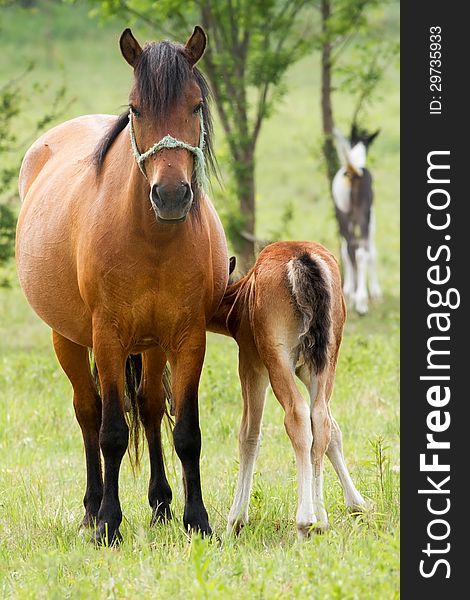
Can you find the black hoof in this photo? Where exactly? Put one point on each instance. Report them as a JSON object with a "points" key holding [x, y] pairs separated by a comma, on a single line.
{"points": [[200, 526], [88, 521], [161, 514], [105, 536]]}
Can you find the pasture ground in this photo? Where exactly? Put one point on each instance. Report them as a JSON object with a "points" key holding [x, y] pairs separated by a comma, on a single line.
{"points": [[42, 469]]}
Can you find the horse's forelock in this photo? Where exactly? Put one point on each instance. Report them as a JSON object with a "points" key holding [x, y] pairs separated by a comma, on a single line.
{"points": [[161, 74]]}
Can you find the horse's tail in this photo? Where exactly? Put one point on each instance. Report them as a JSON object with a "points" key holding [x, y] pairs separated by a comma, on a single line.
{"points": [[132, 383], [133, 377], [311, 294]]}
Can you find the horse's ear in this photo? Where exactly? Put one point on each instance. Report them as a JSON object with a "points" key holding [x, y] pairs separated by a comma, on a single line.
{"points": [[372, 137], [130, 47], [354, 135], [196, 45], [232, 264]]}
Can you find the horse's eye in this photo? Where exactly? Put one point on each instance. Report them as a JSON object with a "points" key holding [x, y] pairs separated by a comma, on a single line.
{"points": [[135, 112], [197, 108]]}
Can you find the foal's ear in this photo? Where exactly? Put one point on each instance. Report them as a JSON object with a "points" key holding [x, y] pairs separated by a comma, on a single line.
{"points": [[130, 47], [196, 45], [372, 137], [354, 134], [232, 264]]}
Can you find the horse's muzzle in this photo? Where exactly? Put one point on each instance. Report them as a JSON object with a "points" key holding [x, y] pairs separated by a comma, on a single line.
{"points": [[171, 203]]}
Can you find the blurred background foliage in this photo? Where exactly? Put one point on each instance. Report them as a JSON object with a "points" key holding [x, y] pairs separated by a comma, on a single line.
{"points": [[282, 73]]}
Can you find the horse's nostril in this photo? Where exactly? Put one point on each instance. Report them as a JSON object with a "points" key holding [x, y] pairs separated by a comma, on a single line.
{"points": [[187, 192], [154, 193]]}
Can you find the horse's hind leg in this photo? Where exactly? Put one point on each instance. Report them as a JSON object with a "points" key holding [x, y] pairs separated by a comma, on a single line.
{"points": [[352, 498], [151, 399], [321, 428], [299, 430], [254, 382], [87, 404], [362, 261], [375, 289]]}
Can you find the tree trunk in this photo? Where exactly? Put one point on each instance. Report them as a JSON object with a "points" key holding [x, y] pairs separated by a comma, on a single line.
{"points": [[244, 243], [329, 150]]}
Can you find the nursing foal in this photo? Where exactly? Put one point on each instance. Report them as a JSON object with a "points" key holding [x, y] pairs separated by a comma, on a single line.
{"points": [[287, 316], [353, 195]]}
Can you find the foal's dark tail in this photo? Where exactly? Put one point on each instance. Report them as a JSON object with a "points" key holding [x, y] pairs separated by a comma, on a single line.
{"points": [[311, 295]]}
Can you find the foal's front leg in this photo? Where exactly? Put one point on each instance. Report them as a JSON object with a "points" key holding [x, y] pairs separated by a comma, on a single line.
{"points": [[186, 366]]}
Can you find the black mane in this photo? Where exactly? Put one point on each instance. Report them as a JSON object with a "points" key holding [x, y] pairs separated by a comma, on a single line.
{"points": [[161, 74]]}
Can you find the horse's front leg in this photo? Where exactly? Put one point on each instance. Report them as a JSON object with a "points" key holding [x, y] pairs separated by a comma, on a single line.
{"points": [[114, 433], [186, 365]]}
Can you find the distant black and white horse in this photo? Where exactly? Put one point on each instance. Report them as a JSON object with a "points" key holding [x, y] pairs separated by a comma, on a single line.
{"points": [[353, 196]]}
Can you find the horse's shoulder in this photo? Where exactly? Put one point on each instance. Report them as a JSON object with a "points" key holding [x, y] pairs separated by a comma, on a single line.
{"points": [[77, 135]]}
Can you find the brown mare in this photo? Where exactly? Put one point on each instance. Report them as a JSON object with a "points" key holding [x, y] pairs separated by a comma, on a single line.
{"points": [[128, 261], [287, 316]]}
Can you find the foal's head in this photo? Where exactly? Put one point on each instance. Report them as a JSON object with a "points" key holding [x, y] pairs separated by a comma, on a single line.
{"points": [[168, 97], [361, 138]]}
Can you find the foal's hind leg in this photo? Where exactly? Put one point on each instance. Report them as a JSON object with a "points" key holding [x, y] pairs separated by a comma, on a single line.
{"points": [[298, 427], [375, 289], [87, 404], [152, 408], [353, 499], [362, 260], [321, 428], [254, 381]]}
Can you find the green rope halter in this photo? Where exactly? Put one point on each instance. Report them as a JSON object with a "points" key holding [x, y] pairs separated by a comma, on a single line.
{"points": [[170, 142]]}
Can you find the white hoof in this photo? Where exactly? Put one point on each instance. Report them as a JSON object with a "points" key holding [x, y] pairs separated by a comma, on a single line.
{"points": [[361, 304], [234, 526], [376, 293], [348, 292]]}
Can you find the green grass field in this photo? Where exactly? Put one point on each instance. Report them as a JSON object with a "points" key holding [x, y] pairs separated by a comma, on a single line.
{"points": [[42, 467]]}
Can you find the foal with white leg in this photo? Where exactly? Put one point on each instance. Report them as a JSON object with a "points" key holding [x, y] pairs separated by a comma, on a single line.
{"points": [[353, 196], [287, 316]]}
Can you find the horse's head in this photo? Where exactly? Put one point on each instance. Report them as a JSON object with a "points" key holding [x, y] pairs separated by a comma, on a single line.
{"points": [[170, 121], [361, 136]]}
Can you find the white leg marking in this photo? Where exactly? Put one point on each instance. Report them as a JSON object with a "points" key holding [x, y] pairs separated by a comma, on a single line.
{"points": [[352, 498], [349, 284], [321, 427], [361, 297], [254, 393], [375, 290], [305, 516]]}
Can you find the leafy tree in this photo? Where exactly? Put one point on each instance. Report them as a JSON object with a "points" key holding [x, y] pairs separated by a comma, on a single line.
{"points": [[12, 104], [251, 45], [356, 55]]}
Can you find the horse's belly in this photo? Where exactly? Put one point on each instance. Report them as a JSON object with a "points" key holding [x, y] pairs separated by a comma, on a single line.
{"points": [[47, 274]]}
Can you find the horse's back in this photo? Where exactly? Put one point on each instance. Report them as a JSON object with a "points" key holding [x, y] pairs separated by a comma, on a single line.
{"points": [[62, 147]]}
